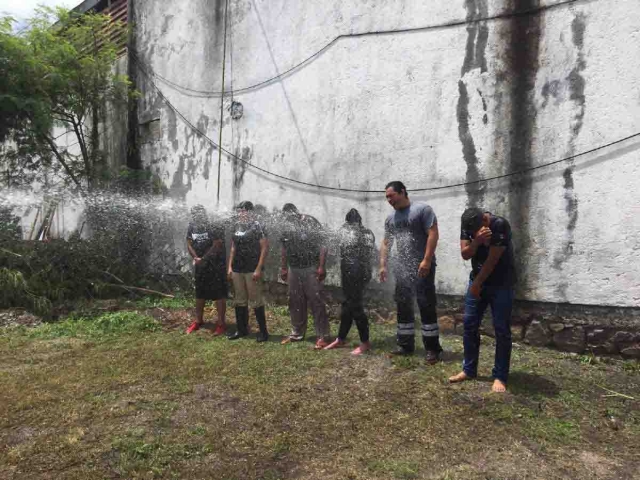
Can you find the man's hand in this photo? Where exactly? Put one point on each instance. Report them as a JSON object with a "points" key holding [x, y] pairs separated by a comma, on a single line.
{"points": [[284, 273], [424, 268], [483, 237], [257, 275], [229, 273], [321, 274], [474, 290], [197, 261], [383, 274]]}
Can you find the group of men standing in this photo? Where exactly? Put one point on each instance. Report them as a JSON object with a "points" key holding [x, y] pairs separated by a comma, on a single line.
{"points": [[413, 229]]}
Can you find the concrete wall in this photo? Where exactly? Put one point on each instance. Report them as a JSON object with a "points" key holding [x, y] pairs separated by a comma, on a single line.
{"points": [[430, 107]]}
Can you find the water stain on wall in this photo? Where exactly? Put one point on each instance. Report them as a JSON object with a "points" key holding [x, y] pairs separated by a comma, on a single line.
{"points": [[178, 186], [239, 166], [172, 128], [475, 193], [475, 58], [477, 37], [576, 86], [521, 65]]}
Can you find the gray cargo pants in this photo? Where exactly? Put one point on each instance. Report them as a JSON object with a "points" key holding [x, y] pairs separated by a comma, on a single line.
{"points": [[305, 289]]}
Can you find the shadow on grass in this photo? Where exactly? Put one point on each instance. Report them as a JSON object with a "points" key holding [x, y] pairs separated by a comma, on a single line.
{"points": [[529, 384], [450, 357]]}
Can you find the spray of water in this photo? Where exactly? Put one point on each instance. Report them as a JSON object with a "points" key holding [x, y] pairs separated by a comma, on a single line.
{"points": [[159, 225]]}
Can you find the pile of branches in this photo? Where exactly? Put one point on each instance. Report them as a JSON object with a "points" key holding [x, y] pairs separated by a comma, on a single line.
{"points": [[115, 261]]}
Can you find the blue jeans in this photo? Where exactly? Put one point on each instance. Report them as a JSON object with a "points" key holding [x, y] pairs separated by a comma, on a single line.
{"points": [[501, 301]]}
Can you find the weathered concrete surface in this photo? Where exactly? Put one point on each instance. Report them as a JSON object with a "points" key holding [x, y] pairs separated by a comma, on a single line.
{"points": [[430, 107]]}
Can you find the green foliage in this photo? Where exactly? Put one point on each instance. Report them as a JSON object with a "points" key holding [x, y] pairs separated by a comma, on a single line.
{"points": [[38, 275], [115, 323], [16, 293], [57, 72], [9, 225], [180, 301]]}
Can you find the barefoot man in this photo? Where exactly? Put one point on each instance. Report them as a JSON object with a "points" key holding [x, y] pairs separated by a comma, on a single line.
{"points": [[486, 240]]}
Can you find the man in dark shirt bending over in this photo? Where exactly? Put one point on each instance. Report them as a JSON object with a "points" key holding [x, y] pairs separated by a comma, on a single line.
{"points": [[486, 240], [414, 229]]}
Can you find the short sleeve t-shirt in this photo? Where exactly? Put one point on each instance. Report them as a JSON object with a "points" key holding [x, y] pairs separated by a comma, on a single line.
{"points": [[302, 237], [246, 238], [504, 273], [202, 236], [409, 230]]}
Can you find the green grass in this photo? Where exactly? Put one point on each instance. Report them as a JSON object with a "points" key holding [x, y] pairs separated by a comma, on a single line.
{"points": [[117, 395], [180, 301], [103, 326], [395, 469]]}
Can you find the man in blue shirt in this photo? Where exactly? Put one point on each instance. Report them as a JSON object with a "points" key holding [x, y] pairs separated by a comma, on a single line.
{"points": [[413, 227], [486, 240]]}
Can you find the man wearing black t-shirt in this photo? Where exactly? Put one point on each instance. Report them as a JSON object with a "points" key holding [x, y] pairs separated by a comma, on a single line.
{"points": [[486, 240], [249, 248], [303, 260], [205, 242]]}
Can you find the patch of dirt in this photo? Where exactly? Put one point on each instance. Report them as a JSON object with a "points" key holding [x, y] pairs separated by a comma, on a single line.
{"points": [[17, 317], [600, 466], [172, 319], [20, 435], [209, 402]]}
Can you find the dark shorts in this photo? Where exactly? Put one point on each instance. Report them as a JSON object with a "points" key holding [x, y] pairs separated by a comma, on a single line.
{"points": [[211, 281]]}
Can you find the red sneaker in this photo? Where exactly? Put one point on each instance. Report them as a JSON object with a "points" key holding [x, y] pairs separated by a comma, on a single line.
{"points": [[193, 327], [220, 330], [321, 344]]}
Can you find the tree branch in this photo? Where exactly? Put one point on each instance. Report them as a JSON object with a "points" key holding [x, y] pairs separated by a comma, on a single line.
{"points": [[54, 149], [83, 148]]}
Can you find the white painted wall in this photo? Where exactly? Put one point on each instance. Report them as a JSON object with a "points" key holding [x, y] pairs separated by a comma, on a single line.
{"points": [[371, 109]]}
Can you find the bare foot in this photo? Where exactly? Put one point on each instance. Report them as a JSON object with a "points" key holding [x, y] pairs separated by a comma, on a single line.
{"points": [[461, 377], [337, 343], [364, 347], [498, 386]]}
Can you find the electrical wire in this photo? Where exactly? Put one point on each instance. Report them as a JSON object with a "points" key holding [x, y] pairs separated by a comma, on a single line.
{"points": [[457, 23], [352, 190]]}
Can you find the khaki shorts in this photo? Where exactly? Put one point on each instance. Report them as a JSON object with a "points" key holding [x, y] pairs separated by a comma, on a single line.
{"points": [[247, 292]]}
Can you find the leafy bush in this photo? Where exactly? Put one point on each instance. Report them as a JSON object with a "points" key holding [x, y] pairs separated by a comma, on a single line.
{"points": [[10, 228], [37, 275], [16, 293]]}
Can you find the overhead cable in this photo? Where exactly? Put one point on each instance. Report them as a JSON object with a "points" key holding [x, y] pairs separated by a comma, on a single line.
{"points": [[354, 190], [456, 23]]}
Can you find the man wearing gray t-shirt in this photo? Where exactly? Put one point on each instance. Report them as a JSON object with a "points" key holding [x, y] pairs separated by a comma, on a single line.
{"points": [[413, 227]]}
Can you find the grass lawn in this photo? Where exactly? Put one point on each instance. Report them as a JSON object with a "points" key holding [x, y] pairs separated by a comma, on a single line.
{"points": [[128, 395]]}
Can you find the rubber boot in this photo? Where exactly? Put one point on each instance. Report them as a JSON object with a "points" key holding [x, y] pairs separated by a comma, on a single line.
{"points": [[242, 323], [263, 334]]}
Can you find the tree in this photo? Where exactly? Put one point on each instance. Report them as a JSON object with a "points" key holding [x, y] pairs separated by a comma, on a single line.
{"points": [[58, 72]]}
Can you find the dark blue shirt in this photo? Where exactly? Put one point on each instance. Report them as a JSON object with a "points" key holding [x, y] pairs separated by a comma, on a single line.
{"points": [[504, 273]]}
